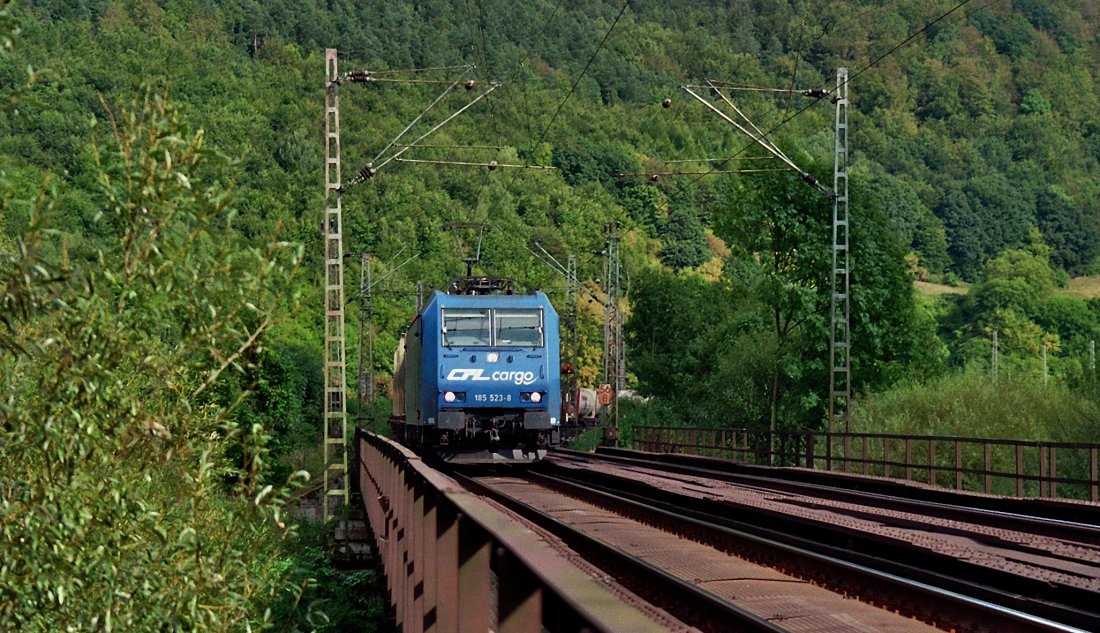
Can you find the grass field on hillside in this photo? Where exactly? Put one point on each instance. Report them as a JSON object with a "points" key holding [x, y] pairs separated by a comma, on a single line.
{"points": [[931, 289], [1084, 287]]}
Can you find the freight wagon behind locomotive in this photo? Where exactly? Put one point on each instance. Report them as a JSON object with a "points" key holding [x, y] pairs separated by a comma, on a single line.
{"points": [[477, 378]]}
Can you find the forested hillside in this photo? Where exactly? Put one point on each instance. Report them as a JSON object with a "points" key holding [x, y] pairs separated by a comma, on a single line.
{"points": [[973, 135], [161, 168]]}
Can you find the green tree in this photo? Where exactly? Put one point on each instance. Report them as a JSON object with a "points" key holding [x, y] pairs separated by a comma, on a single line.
{"points": [[776, 227], [1072, 230], [1009, 300], [115, 515], [684, 237]]}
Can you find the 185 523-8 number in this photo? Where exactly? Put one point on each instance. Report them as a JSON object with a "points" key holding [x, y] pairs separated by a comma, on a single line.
{"points": [[492, 397]]}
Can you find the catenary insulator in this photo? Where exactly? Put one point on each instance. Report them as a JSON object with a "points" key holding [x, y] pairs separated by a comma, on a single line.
{"points": [[366, 172], [667, 103], [469, 84], [359, 76], [492, 165], [654, 178], [817, 93]]}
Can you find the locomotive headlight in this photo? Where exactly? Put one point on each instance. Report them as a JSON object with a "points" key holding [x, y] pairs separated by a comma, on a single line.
{"points": [[454, 396], [536, 397], [492, 357]]}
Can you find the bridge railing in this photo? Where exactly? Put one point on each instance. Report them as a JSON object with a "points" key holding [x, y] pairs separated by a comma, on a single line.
{"points": [[993, 466], [455, 563]]}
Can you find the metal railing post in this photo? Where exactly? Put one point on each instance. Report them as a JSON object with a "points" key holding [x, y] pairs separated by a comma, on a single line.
{"points": [[519, 608], [932, 461], [1044, 476], [958, 465], [472, 589], [988, 472], [908, 460], [1053, 472], [1019, 470]]}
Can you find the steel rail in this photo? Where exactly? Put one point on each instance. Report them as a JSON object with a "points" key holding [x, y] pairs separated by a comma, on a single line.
{"points": [[685, 600], [1034, 515], [441, 546], [935, 603], [1014, 594]]}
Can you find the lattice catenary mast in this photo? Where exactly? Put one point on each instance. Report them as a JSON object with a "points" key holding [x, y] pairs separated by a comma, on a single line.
{"points": [[336, 480], [572, 317], [840, 341], [840, 335], [614, 356], [335, 489]]}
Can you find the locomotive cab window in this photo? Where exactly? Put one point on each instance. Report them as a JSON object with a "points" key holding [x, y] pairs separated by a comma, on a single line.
{"points": [[518, 328], [465, 328]]}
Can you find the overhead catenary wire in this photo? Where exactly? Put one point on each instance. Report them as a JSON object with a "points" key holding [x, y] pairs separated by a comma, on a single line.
{"points": [[572, 90], [759, 138], [771, 146], [417, 119], [491, 165], [485, 63], [481, 96], [714, 160], [651, 174], [370, 169], [794, 71], [862, 70], [577, 82], [434, 146], [409, 81], [719, 83], [422, 70], [545, 257], [389, 274], [515, 73]]}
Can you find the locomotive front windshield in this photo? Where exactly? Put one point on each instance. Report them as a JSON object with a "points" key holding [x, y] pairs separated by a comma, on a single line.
{"points": [[466, 328], [500, 327], [518, 328]]}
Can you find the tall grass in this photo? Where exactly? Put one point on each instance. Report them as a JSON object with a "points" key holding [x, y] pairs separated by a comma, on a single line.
{"points": [[970, 404]]}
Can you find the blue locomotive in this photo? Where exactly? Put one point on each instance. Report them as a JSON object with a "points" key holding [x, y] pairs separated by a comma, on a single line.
{"points": [[477, 377]]}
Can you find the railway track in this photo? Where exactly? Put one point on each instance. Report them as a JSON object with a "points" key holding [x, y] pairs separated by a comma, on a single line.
{"points": [[710, 575], [1045, 509], [1010, 563]]}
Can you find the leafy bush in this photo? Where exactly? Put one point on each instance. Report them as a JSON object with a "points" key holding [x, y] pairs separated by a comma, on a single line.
{"points": [[114, 419]]}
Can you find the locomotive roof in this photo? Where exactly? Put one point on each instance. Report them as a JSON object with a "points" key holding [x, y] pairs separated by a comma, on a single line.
{"points": [[536, 299]]}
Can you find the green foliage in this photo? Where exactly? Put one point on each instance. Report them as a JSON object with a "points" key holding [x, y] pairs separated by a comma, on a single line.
{"points": [[1071, 229], [114, 510], [589, 439], [751, 350], [970, 404], [1034, 103], [1016, 300], [963, 142], [1030, 269], [330, 600], [911, 220], [694, 350], [685, 244]]}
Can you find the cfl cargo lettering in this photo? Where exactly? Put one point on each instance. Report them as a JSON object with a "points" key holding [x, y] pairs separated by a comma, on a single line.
{"points": [[516, 377]]}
